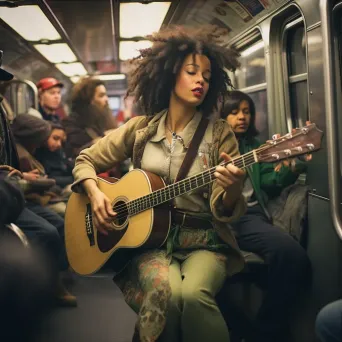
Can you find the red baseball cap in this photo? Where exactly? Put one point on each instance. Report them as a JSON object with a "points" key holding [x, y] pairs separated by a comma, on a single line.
{"points": [[48, 83]]}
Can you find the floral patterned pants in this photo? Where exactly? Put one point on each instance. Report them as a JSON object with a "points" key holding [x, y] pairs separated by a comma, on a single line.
{"points": [[175, 296]]}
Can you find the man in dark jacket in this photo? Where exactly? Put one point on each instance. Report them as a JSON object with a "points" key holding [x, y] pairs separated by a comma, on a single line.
{"points": [[288, 263], [24, 282], [42, 227]]}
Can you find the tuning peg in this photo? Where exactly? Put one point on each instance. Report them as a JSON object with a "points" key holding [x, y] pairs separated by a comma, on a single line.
{"points": [[310, 146]]}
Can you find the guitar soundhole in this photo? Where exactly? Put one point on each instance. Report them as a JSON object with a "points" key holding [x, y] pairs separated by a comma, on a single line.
{"points": [[120, 208]]}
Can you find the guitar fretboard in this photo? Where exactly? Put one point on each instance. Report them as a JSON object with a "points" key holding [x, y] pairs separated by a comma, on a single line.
{"points": [[186, 185]]}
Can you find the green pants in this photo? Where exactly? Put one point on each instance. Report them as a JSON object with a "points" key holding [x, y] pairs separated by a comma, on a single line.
{"points": [[193, 313]]}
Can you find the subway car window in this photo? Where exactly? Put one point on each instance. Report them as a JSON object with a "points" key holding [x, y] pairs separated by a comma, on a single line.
{"points": [[261, 122], [337, 34], [296, 51], [251, 79], [252, 69], [299, 103], [297, 112], [114, 103]]}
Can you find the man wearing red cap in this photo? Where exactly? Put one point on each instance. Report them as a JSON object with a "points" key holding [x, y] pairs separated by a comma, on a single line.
{"points": [[49, 98]]}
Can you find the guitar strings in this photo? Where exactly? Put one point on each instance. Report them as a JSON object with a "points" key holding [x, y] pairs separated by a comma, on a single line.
{"points": [[192, 181], [206, 177]]}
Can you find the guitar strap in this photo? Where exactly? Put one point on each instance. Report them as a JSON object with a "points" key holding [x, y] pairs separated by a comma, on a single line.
{"points": [[192, 150]]}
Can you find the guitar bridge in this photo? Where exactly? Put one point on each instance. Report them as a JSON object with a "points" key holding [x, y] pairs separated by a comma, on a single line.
{"points": [[89, 225]]}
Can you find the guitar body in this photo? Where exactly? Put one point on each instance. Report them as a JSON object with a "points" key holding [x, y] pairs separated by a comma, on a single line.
{"points": [[143, 220], [88, 250]]}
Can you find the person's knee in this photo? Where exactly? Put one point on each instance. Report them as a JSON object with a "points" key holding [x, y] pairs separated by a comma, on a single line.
{"points": [[293, 259], [25, 287], [51, 234], [328, 321], [194, 296]]}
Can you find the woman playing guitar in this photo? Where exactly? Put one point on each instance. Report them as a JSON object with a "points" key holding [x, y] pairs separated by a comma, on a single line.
{"points": [[178, 82]]}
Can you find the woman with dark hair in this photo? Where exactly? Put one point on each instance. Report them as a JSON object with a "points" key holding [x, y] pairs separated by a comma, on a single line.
{"points": [[288, 264], [52, 157], [178, 82], [233, 105]]}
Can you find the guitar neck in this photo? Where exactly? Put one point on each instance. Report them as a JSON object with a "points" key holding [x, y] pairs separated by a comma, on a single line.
{"points": [[301, 141], [186, 185]]}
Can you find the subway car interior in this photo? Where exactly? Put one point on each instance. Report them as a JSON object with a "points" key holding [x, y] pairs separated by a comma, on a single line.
{"points": [[290, 54]]}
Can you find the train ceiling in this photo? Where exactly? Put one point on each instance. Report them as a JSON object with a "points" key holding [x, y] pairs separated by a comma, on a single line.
{"points": [[72, 38]]}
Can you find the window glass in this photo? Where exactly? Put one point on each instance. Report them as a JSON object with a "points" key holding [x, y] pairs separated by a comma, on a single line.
{"points": [[338, 47], [114, 103], [261, 118], [296, 50], [299, 103], [297, 109], [252, 70]]}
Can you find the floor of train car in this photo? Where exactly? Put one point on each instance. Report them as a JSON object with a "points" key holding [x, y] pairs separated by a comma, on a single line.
{"points": [[102, 314]]}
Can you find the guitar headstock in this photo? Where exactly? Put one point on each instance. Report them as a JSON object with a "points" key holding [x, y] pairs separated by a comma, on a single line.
{"points": [[302, 141]]}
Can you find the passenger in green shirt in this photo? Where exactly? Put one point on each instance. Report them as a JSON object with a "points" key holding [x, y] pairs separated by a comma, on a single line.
{"points": [[288, 263]]}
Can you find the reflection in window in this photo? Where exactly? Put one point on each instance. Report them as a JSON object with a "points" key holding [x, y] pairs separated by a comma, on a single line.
{"points": [[261, 121], [251, 79], [297, 112], [299, 103], [296, 51], [114, 103], [252, 70]]}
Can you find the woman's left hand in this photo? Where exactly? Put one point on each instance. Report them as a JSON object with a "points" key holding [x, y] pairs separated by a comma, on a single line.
{"points": [[229, 177], [291, 162]]}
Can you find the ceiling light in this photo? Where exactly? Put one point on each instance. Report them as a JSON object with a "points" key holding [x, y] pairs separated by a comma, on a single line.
{"points": [[130, 49], [57, 53], [72, 69], [75, 79], [138, 20], [112, 77], [30, 22]]}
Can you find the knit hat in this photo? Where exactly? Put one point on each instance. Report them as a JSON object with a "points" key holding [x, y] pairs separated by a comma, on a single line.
{"points": [[30, 130]]}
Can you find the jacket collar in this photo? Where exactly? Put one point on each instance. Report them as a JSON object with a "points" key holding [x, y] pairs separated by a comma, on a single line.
{"points": [[186, 134]]}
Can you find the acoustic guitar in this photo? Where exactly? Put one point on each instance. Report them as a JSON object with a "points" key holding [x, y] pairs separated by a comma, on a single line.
{"points": [[141, 200]]}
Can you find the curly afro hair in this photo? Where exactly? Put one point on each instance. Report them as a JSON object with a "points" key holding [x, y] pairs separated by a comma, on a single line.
{"points": [[156, 68]]}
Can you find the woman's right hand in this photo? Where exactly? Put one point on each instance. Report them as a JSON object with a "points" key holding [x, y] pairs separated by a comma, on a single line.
{"points": [[103, 212]]}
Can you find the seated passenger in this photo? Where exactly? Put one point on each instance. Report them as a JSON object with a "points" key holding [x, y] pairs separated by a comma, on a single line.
{"points": [[91, 117], [173, 288], [288, 263], [24, 281], [43, 227], [49, 91], [31, 133], [329, 323], [53, 159], [25, 284]]}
